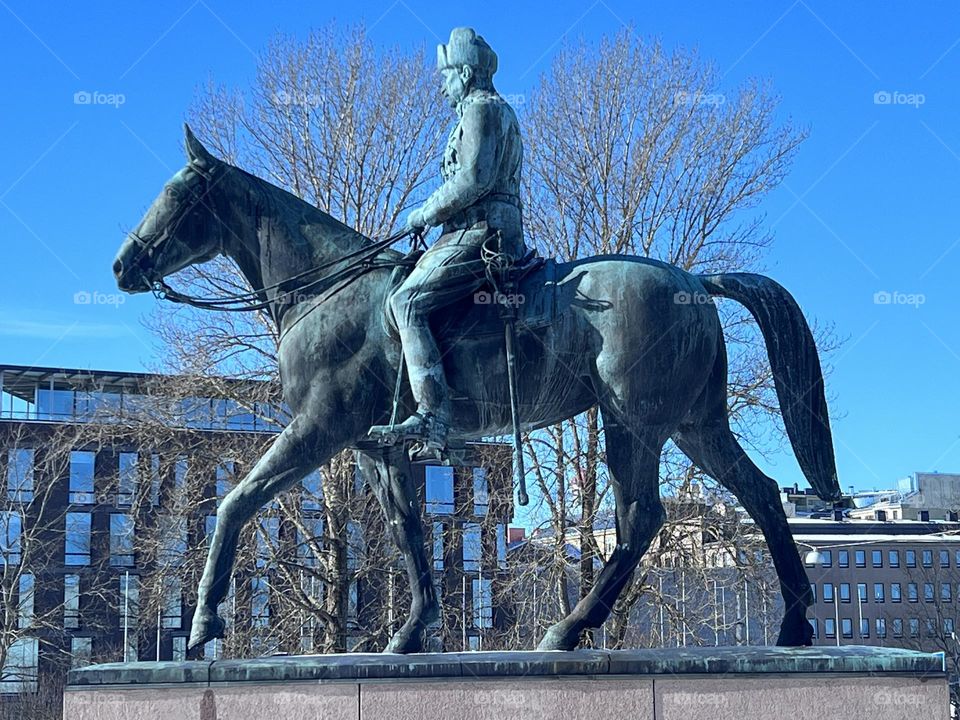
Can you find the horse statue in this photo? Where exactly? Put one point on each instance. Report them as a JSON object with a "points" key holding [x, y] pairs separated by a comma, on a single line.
{"points": [[640, 338]]}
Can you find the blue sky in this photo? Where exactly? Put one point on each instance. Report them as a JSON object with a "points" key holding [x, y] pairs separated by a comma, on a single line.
{"points": [[870, 206]]}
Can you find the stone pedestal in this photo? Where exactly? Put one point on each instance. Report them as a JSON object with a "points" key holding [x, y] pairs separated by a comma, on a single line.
{"points": [[853, 683]]}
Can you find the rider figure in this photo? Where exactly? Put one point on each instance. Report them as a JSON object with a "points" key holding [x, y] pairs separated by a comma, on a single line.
{"points": [[478, 200]]}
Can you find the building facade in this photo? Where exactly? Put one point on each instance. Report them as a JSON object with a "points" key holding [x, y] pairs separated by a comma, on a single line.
{"points": [[108, 503]]}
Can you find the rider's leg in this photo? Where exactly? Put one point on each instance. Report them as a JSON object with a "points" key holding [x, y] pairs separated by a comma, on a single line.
{"points": [[444, 274]]}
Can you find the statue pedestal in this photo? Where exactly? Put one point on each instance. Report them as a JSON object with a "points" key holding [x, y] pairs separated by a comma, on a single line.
{"points": [[742, 683]]}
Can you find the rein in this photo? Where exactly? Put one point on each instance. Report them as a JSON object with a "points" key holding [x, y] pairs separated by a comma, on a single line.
{"points": [[361, 262]]}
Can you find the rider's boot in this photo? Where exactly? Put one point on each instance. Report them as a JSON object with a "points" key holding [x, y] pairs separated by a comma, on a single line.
{"points": [[432, 420]]}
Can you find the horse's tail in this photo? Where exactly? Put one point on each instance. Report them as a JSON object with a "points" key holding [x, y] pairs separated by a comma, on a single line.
{"points": [[796, 371]]}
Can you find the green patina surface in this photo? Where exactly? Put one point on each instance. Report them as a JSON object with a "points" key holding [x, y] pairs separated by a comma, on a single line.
{"points": [[670, 661]]}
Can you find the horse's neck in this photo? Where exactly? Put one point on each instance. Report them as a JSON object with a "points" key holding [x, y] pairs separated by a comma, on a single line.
{"points": [[279, 235]]}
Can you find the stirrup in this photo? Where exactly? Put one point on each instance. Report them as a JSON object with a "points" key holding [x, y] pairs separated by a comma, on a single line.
{"points": [[430, 431]]}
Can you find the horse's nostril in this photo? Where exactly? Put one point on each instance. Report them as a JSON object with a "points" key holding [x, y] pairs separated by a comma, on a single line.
{"points": [[117, 267]]}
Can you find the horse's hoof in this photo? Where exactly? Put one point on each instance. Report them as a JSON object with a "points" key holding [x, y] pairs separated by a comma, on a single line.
{"points": [[795, 634], [558, 638], [206, 626]]}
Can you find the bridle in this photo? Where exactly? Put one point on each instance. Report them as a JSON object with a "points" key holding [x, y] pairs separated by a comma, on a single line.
{"points": [[358, 263]]}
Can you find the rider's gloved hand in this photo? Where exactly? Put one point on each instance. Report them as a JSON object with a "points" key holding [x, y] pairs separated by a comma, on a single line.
{"points": [[415, 221]]}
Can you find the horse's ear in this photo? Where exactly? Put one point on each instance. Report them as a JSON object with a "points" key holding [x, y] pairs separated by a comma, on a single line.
{"points": [[196, 152]]}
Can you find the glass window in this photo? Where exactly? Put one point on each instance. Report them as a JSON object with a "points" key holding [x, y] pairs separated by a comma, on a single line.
{"points": [[945, 592], [898, 627], [843, 558], [956, 558], [948, 626], [260, 601], [828, 592], [881, 627], [482, 591], [355, 544], [54, 404], [481, 491], [928, 558], [437, 546], [931, 627], [81, 477], [912, 595], [876, 558], [20, 670], [180, 470], [878, 594], [129, 609], [439, 490], [893, 558], [845, 592], [813, 626], [81, 651], [121, 540], [20, 474], [895, 592], [846, 626], [71, 602], [312, 496], [25, 595], [155, 479], [862, 592], [864, 627], [11, 530], [77, 546], [127, 478], [911, 558], [928, 592], [472, 547], [944, 558], [224, 479], [179, 648], [268, 539], [172, 603], [860, 557], [829, 627], [813, 592], [826, 558], [172, 531], [502, 549]]}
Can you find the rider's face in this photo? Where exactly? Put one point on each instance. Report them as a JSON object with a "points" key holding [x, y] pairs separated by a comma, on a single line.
{"points": [[454, 85]]}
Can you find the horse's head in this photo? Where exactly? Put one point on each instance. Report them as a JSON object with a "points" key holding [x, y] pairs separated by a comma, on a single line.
{"points": [[181, 227]]}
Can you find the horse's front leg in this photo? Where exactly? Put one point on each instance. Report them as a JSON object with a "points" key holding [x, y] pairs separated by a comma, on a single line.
{"points": [[298, 450], [388, 474]]}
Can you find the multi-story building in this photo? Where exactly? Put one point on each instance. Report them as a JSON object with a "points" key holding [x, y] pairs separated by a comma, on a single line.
{"points": [[86, 486]]}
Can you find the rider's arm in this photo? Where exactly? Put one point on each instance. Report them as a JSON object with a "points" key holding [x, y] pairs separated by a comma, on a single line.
{"points": [[481, 149]]}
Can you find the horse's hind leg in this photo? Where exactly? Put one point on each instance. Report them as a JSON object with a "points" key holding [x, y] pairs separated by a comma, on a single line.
{"points": [[634, 461], [299, 449], [713, 447], [390, 478]]}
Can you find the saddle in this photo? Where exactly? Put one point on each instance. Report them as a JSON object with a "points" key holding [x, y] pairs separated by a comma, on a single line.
{"points": [[481, 313]]}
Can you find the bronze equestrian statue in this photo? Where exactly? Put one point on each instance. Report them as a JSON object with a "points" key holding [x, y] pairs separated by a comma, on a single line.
{"points": [[637, 337]]}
